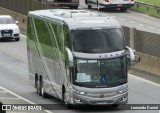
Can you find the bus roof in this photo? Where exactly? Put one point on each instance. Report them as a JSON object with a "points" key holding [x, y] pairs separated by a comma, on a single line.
{"points": [[76, 19]]}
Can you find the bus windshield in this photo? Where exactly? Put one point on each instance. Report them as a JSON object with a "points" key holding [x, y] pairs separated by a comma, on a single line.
{"points": [[98, 40], [101, 73]]}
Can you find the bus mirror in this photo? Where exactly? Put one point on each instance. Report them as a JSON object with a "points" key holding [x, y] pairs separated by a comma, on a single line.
{"points": [[70, 57], [137, 58], [130, 54], [132, 58]]}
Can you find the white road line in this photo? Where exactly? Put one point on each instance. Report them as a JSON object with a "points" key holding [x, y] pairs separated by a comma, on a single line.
{"points": [[141, 25], [10, 98], [144, 80], [22, 98], [3, 91], [132, 22], [151, 28], [113, 17], [23, 35], [22, 55], [122, 19]]}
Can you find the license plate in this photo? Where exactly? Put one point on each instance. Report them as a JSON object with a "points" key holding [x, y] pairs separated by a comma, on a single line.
{"points": [[119, 5], [6, 35], [101, 103], [6, 30]]}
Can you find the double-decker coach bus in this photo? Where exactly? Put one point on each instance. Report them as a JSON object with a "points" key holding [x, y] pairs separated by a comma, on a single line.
{"points": [[102, 4], [78, 56]]}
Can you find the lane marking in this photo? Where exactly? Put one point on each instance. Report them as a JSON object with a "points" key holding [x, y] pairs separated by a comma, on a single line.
{"points": [[144, 80], [122, 19], [3, 91], [23, 35], [20, 97], [132, 22], [22, 55], [10, 98], [141, 25], [151, 27]]}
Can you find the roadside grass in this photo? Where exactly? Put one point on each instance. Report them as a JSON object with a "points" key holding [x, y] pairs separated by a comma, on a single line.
{"points": [[153, 2], [146, 10]]}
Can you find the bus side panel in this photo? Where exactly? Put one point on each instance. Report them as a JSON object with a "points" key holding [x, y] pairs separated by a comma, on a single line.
{"points": [[51, 49], [46, 51], [34, 65]]}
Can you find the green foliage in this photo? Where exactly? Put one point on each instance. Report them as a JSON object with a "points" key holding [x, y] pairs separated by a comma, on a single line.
{"points": [[153, 2], [148, 10]]}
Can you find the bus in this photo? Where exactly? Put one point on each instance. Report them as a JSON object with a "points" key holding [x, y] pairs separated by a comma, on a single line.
{"points": [[72, 4], [102, 4], [78, 56]]}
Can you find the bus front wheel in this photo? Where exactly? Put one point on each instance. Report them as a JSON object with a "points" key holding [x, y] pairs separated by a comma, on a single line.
{"points": [[68, 106], [89, 6]]}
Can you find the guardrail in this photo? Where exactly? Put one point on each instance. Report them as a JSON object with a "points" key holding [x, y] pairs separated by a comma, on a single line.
{"points": [[148, 6]]}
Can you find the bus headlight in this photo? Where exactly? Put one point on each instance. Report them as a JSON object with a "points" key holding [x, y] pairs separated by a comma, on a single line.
{"points": [[79, 92], [122, 91]]}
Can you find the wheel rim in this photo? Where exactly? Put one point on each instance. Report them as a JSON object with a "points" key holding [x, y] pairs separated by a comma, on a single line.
{"points": [[42, 90], [98, 6], [65, 99]]}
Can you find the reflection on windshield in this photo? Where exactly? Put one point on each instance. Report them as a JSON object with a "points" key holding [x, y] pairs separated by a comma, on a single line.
{"points": [[109, 73], [98, 40], [6, 21]]}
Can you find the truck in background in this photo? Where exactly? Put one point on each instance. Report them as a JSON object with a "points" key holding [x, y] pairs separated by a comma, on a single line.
{"points": [[72, 4]]}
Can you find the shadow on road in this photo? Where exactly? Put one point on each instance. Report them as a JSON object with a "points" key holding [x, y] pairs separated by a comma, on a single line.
{"points": [[7, 40]]}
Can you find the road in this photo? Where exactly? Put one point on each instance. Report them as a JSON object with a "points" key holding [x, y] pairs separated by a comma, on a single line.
{"points": [[14, 77], [130, 19]]}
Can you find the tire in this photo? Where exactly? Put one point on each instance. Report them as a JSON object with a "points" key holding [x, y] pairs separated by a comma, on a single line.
{"points": [[89, 6], [115, 105], [99, 9], [43, 93], [17, 39], [67, 105], [123, 9], [74, 7], [86, 1], [38, 88]]}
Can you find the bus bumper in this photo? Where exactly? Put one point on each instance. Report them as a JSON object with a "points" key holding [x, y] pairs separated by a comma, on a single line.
{"points": [[116, 5], [119, 99]]}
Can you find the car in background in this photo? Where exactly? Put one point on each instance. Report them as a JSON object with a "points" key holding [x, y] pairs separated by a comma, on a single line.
{"points": [[9, 28]]}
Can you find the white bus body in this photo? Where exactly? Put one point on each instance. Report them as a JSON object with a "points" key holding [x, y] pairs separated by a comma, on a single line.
{"points": [[77, 56]]}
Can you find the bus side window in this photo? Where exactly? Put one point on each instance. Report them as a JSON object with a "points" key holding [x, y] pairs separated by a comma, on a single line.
{"points": [[67, 37]]}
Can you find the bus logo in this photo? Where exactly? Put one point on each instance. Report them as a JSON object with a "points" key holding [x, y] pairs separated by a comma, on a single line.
{"points": [[101, 95]]}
